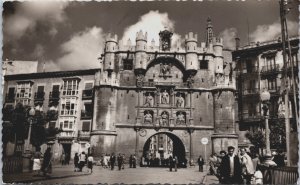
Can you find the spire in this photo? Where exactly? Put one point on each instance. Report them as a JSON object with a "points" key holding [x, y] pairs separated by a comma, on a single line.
{"points": [[209, 31]]}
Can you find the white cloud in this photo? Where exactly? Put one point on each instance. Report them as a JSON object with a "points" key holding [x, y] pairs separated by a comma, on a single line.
{"points": [[272, 31], [38, 52], [81, 51], [28, 13], [152, 23], [229, 36]]}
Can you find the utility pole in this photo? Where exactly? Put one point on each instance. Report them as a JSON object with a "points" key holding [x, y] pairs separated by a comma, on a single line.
{"points": [[283, 3]]}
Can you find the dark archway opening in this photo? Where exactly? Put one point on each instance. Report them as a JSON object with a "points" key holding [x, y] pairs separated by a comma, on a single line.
{"points": [[159, 147]]}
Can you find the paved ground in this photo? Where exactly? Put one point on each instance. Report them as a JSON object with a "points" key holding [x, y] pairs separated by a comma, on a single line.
{"points": [[138, 175]]}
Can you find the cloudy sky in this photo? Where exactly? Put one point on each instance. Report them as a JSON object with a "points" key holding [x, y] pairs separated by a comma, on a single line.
{"points": [[70, 35]]}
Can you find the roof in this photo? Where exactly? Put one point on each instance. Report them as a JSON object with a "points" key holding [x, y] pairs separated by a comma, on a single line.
{"points": [[56, 74]]}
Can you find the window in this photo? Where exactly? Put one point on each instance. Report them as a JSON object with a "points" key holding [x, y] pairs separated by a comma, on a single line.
{"points": [[67, 123], [204, 64], [52, 124], [11, 93], [128, 64], [70, 87], [24, 90], [88, 85], [68, 106], [86, 126]]}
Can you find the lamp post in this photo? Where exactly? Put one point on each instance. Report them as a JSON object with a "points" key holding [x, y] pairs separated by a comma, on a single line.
{"points": [[265, 99], [27, 143]]}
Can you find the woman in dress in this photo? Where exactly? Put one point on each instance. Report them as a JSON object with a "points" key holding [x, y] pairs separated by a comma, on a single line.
{"points": [[47, 167], [76, 160]]}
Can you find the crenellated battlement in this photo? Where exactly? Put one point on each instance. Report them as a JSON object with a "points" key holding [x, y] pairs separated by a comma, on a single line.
{"points": [[141, 36], [191, 37], [217, 41], [110, 38]]}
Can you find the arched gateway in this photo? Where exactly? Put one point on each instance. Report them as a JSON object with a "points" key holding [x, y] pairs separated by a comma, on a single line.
{"points": [[184, 93]]}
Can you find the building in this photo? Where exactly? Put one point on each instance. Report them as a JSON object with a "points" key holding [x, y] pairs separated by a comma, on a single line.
{"points": [[65, 97], [181, 93], [260, 66], [161, 146], [186, 93]]}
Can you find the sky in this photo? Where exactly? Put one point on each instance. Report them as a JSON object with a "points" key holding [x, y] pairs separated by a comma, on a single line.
{"points": [[69, 35]]}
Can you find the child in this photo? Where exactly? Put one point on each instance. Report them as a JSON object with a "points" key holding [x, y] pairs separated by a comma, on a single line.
{"points": [[90, 162], [258, 177]]}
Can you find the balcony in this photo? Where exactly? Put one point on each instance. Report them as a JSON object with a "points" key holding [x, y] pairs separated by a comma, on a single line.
{"points": [[87, 94], [253, 91], [24, 95], [67, 135], [10, 98], [86, 115], [84, 135], [270, 70], [256, 117], [39, 96]]}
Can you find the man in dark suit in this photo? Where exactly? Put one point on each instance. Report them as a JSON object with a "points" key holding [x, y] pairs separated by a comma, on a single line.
{"points": [[230, 168]]}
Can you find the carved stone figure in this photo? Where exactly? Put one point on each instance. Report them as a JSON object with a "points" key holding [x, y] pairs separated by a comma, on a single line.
{"points": [[165, 97], [149, 101], [180, 119], [164, 119], [190, 81], [148, 118], [180, 101], [139, 80], [165, 69]]}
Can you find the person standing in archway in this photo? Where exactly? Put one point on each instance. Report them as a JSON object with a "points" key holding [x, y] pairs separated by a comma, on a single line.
{"points": [[171, 162], [175, 160]]}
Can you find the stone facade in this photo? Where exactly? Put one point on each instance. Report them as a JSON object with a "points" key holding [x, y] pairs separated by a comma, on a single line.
{"points": [[185, 92]]}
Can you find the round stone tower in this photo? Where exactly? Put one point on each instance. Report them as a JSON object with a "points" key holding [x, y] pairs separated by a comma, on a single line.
{"points": [[191, 62], [140, 49], [111, 48]]}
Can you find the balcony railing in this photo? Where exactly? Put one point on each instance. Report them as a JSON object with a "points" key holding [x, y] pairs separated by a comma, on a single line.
{"points": [[270, 69], [86, 115], [84, 134], [177, 84], [39, 96], [252, 91], [68, 112], [54, 95], [67, 134], [87, 94], [251, 117], [23, 95], [10, 98]]}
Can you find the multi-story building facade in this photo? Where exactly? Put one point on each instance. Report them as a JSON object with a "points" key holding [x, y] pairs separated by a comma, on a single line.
{"points": [[65, 97], [260, 66], [141, 90], [161, 146]]}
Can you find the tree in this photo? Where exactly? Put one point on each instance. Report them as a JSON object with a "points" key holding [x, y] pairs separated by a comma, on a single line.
{"points": [[257, 138], [277, 136], [18, 120]]}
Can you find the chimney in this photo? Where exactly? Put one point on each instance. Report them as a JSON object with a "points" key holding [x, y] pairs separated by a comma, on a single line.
{"points": [[237, 43]]}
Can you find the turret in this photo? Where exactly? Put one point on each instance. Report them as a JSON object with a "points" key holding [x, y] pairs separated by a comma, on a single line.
{"points": [[191, 52], [218, 52], [141, 48], [111, 47], [209, 31]]}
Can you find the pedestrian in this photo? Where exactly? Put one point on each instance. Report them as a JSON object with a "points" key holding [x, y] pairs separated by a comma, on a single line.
{"points": [[90, 161], [170, 162], [200, 163], [258, 177], [255, 160], [130, 161], [120, 161], [67, 162], [175, 160], [37, 163], [222, 154], [247, 166], [76, 161], [212, 164], [123, 161], [112, 161], [47, 166], [62, 159], [134, 161], [82, 161], [230, 168]]}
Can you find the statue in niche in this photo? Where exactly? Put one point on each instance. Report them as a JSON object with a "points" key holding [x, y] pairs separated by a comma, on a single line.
{"points": [[164, 119], [148, 118], [164, 97], [180, 101], [165, 69], [149, 101], [190, 81], [139, 80], [180, 119]]}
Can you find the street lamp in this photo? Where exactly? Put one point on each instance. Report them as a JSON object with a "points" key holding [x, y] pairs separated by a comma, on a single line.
{"points": [[265, 99], [31, 114]]}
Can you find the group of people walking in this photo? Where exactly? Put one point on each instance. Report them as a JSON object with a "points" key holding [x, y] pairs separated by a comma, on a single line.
{"points": [[173, 162], [240, 168], [81, 160], [110, 161], [42, 163]]}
